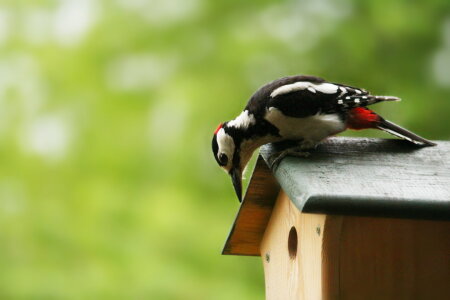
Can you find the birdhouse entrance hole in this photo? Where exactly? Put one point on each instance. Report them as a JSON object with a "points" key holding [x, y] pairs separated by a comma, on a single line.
{"points": [[292, 242]]}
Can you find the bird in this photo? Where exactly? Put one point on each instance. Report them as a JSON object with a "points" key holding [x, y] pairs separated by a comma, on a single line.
{"points": [[302, 109]]}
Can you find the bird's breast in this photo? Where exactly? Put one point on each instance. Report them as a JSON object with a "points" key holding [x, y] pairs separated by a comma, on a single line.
{"points": [[316, 127]]}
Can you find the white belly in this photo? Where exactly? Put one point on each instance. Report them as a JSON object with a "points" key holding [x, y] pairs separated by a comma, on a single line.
{"points": [[311, 129]]}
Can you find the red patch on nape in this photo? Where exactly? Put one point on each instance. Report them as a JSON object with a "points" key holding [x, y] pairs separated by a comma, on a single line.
{"points": [[362, 118], [218, 128]]}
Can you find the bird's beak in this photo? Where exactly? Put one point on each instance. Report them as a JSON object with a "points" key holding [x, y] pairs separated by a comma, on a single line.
{"points": [[236, 178]]}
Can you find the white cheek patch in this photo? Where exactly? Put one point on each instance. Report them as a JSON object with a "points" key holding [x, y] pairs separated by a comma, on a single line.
{"points": [[326, 88], [226, 144]]}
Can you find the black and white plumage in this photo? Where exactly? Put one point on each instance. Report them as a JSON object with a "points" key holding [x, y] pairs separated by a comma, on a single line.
{"points": [[305, 109]]}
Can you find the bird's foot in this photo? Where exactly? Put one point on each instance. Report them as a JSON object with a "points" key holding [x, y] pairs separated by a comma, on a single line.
{"points": [[275, 159]]}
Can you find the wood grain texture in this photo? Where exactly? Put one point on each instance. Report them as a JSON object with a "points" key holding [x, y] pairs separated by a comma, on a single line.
{"points": [[384, 258], [350, 257], [369, 177], [313, 273], [254, 214]]}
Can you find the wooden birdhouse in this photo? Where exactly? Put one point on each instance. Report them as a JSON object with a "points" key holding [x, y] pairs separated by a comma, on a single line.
{"points": [[357, 219]]}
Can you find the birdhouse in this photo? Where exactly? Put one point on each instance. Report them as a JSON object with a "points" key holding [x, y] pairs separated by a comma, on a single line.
{"points": [[357, 219]]}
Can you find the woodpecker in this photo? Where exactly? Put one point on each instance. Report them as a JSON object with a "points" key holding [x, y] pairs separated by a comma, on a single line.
{"points": [[304, 109]]}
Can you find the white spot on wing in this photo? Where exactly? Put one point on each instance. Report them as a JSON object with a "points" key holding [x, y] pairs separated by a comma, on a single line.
{"points": [[357, 91], [357, 100], [343, 91], [326, 88], [312, 90], [244, 120], [340, 101], [288, 88]]}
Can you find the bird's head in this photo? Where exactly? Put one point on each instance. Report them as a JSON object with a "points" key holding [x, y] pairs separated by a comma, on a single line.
{"points": [[231, 154]]}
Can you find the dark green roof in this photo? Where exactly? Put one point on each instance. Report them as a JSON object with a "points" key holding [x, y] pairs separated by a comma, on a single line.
{"points": [[373, 177]]}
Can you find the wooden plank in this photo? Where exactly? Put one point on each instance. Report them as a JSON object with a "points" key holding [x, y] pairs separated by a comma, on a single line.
{"points": [[254, 213], [298, 272], [330, 256], [369, 177], [348, 257], [383, 258]]}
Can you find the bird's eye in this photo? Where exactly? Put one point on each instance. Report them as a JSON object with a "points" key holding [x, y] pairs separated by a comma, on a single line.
{"points": [[223, 159]]}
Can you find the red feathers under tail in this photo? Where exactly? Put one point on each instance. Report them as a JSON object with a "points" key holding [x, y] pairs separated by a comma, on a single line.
{"points": [[362, 118]]}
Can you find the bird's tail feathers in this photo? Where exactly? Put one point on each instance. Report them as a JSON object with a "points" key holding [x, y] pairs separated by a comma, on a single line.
{"points": [[403, 133], [364, 100], [386, 98]]}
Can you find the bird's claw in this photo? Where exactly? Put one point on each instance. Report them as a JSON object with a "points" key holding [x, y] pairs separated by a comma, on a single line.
{"points": [[275, 159]]}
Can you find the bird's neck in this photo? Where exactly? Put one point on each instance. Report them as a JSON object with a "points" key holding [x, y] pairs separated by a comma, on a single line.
{"points": [[249, 146]]}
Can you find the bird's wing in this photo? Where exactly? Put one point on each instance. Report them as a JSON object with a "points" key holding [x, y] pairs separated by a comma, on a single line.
{"points": [[305, 98]]}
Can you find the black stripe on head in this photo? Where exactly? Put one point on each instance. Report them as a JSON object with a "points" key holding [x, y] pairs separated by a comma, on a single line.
{"points": [[215, 148]]}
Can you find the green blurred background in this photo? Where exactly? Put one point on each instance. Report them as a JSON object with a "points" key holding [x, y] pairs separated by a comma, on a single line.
{"points": [[108, 188]]}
